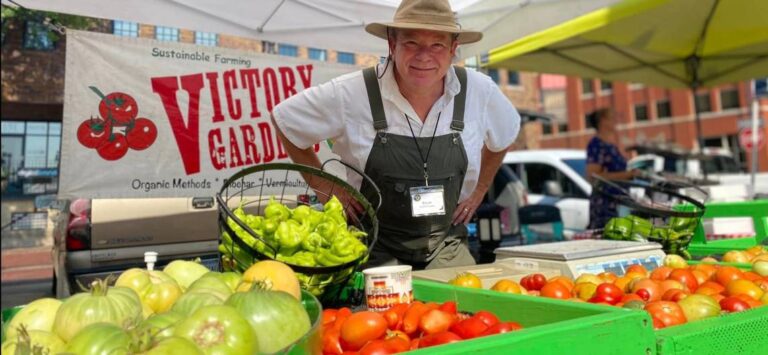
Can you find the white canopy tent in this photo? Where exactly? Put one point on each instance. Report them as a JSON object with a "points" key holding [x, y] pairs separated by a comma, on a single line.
{"points": [[327, 24]]}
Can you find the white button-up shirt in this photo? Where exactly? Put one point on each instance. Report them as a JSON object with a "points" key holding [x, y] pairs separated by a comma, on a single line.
{"points": [[339, 110]]}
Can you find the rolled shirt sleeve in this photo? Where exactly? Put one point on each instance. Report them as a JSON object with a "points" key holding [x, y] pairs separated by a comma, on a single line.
{"points": [[502, 120], [311, 116]]}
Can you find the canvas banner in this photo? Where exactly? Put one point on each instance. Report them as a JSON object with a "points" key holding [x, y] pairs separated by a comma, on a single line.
{"points": [[145, 118]]}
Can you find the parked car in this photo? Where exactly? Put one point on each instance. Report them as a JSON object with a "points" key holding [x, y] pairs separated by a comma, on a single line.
{"points": [[555, 177], [95, 238]]}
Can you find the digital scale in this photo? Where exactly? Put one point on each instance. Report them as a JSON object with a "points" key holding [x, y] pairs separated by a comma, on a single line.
{"points": [[576, 257]]}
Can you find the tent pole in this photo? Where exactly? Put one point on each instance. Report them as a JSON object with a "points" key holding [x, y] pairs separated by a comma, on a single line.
{"points": [[699, 133]]}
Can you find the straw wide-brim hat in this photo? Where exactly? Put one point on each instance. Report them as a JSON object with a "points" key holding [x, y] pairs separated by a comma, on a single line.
{"points": [[432, 15]]}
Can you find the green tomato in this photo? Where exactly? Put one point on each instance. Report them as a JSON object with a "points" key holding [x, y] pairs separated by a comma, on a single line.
{"points": [[698, 307], [37, 315], [218, 330], [156, 289], [160, 326], [48, 342], [190, 302], [213, 284], [100, 338], [174, 345], [117, 305], [232, 279], [278, 319], [185, 272]]}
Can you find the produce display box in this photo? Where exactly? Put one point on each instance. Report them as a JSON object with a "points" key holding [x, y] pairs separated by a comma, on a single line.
{"points": [[737, 333], [550, 326], [700, 246]]}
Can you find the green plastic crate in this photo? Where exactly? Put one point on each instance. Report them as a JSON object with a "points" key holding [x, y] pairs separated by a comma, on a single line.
{"points": [[550, 326], [757, 209], [742, 266], [738, 333]]}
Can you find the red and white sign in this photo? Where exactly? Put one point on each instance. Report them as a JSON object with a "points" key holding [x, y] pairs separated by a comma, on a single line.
{"points": [[144, 118], [745, 139]]}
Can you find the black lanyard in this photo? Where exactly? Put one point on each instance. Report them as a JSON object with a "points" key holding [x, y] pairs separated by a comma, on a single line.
{"points": [[423, 158]]}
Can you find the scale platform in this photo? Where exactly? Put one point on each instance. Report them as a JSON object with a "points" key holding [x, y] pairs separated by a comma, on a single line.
{"points": [[576, 257]]}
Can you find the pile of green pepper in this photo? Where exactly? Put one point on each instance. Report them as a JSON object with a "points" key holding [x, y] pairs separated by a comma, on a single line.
{"points": [[673, 237], [301, 236]]}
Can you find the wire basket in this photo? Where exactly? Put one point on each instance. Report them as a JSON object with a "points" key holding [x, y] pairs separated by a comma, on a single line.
{"points": [[293, 185], [652, 216]]}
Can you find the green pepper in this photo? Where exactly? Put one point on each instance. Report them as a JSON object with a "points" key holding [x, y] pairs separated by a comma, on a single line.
{"points": [[315, 218], [346, 246], [327, 230], [255, 222], [276, 210], [640, 225], [312, 241], [618, 228], [301, 212], [683, 224], [289, 238], [270, 226], [356, 233], [326, 258], [302, 258], [333, 205]]}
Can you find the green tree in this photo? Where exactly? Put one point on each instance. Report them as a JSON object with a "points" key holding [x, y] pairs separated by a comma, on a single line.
{"points": [[55, 21]]}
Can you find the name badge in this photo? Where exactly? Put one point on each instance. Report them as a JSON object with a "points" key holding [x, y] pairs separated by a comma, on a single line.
{"points": [[427, 201]]}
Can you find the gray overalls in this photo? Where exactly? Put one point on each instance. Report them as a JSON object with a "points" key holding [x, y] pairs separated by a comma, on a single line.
{"points": [[396, 164]]}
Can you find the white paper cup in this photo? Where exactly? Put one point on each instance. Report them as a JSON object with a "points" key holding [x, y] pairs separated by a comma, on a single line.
{"points": [[387, 286]]}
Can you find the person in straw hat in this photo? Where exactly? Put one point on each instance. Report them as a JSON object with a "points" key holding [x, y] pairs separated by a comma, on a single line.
{"points": [[430, 135]]}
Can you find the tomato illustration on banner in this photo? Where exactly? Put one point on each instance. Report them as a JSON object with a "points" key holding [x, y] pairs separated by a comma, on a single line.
{"points": [[118, 128]]}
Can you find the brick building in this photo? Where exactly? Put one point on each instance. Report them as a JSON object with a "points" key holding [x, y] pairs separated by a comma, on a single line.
{"points": [[649, 115]]}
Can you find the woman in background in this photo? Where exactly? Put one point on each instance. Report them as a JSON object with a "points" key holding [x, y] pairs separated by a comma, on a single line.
{"points": [[604, 160]]}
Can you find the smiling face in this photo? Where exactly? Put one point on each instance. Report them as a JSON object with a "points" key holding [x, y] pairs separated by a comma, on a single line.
{"points": [[422, 58]]}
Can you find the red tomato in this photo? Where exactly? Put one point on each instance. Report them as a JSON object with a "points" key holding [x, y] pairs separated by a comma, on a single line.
{"points": [[657, 323], [608, 293], [685, 277], [331, 341], [734, 304], [413, 316], [376, 347], [533, 282], [361, 328], [93, 133], [114, 147], [394, 315], [438, 339], [725, 274], [469, 328], [556, 289], [119, 108], [661, 273], [449, 307], [329, 316], [142, 134], [488, 318], [667, 312], [436, 321], [502, 327], [674, 295]]}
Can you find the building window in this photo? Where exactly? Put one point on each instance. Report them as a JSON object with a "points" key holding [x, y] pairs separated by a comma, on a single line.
{"points": [[169, 34], [33, 147], [641, 113], [125, 28], [663, 109], [268, 47], [590, 119], [494, 74], [206, 39], [288, 50], [703, 104], [345, 57], [546, 128], [606, 85], [36, 36], [562, 127], [318, 54], [729, 99], [586, 87], [513, 77]]}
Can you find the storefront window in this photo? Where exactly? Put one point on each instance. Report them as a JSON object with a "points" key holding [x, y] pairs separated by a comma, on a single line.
{"points": [[30, 157]]}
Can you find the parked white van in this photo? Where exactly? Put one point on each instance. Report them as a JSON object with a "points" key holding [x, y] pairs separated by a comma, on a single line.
{"points": [[556, 177]]}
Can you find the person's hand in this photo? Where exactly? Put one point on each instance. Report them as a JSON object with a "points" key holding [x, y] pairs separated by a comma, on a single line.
{"points": [[467, 208], [325, 189]]}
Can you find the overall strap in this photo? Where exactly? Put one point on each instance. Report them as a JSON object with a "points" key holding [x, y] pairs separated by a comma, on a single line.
{"points": [[374, 99], [459, 100]]}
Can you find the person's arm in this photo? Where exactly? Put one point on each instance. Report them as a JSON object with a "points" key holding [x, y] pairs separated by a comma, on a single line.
{"points": [[489, 164], [297, 155], [597, 169]]}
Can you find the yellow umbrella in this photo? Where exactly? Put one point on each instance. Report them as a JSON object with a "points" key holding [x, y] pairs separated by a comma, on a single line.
{"points": [[668, 43]]}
